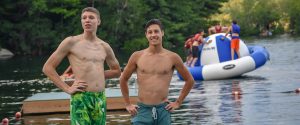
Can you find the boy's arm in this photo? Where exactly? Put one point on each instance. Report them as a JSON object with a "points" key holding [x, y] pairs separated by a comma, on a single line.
{"points": [[209, 31], [189, 83], [126, 74], [186, 75], [228, 30], [113, 64], [54, 60]]}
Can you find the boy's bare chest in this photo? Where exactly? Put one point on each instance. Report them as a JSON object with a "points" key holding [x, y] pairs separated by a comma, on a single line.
{"points": [[156, 65], [89, 53]]}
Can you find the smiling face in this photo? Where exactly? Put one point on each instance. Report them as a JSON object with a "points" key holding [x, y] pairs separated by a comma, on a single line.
{"points": [[90, 21], [154, 34]]}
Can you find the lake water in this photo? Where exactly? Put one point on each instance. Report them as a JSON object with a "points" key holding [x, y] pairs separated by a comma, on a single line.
{"points": [[267, 94]]}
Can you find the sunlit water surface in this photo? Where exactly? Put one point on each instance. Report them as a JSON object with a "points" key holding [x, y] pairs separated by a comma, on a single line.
{"points": [[267, 94]]}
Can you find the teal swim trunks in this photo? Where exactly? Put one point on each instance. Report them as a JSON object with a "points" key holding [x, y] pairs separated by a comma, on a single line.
{"points": [[88, 108], [152, 115]]}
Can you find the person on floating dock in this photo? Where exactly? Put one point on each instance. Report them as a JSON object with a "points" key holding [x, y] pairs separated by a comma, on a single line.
{"points": [[234, 30], [86, 54], [154, 67], [188, 50], [197, 41], [218, 28]]}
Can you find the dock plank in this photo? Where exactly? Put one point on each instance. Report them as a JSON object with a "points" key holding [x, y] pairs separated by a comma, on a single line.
{"points": [[59, 102]]}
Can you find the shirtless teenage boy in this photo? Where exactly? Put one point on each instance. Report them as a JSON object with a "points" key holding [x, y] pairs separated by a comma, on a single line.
{"points": [[154, 67], [87, 55]]}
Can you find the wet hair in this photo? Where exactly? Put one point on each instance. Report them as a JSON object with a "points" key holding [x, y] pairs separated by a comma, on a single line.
{"points": [[154, 21], [91, 9], [191, 36], [234, 22], [201, 30]]}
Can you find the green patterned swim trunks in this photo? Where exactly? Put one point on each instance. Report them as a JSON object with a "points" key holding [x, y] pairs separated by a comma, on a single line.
{"points": [[88, 108]]}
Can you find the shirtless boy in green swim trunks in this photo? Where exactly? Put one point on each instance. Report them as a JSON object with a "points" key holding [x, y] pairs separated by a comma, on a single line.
{"points": [[86, 54], [154, 67]]}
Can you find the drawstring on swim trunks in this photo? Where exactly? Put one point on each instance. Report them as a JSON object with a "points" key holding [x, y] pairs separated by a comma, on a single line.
{"points": [[154, 113]]}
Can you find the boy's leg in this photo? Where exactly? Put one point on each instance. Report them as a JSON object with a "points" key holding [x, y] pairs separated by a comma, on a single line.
{"points": [[143, 117], [164, 116]]}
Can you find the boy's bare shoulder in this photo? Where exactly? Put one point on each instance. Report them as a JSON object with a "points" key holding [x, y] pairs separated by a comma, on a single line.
{"points": [[103, 43], [170, 53], [72, 39], [138, 53]]}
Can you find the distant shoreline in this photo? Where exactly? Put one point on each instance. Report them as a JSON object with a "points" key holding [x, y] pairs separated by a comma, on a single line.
{"points": [[5, 54]]}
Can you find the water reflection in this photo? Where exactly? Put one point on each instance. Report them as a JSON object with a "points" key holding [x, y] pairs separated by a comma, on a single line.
{"points": [[14, 92], [236, 91], [211, 103], [113, 118]]}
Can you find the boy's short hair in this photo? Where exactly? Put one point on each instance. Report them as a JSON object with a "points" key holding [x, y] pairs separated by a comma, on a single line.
{"points": [[154, 21], [91, 9], [201, 30], [234, 22]]}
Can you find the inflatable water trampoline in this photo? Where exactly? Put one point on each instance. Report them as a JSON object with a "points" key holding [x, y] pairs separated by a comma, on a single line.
{"points": [[214, 61]]}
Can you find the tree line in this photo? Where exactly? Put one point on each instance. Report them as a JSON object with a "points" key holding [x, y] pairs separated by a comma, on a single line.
{"points": [[36, 27], [256, 16]]}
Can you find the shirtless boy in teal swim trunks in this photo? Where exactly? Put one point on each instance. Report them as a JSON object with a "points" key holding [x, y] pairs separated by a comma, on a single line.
{"points": [[86, 54], [154, 67]]}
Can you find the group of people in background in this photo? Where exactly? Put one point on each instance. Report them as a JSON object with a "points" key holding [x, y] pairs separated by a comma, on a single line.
{"points": [[191, 45], [193, 42]]}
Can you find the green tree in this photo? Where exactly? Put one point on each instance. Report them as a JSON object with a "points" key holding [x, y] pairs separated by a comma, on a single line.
{"points": [[254, 15], [30, 27], [37, 26], [291, 9], [123, 20]]}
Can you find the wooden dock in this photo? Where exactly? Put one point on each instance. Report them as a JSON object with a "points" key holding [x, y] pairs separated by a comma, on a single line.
{"points": [[119, 117], [59, 102]]}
